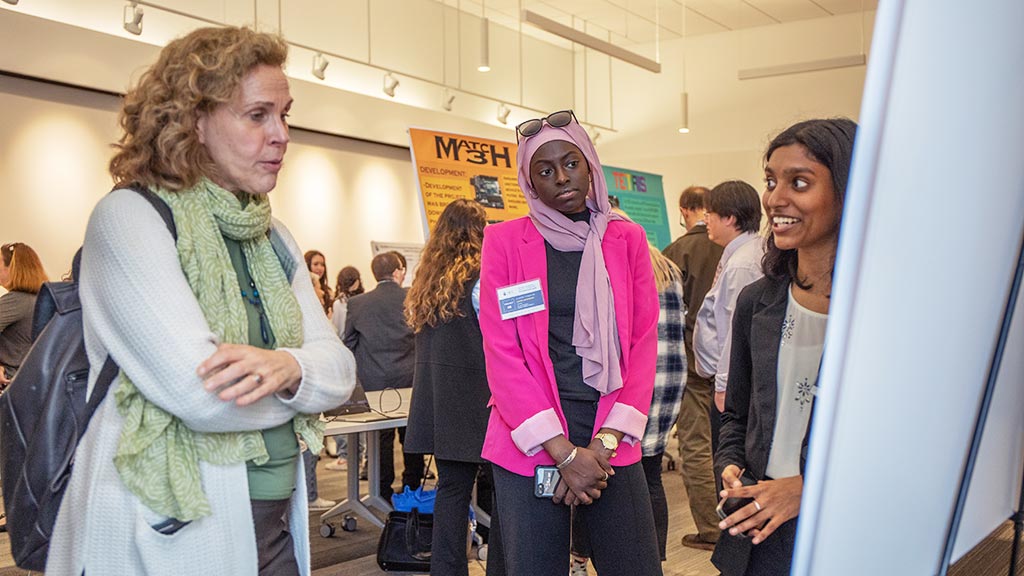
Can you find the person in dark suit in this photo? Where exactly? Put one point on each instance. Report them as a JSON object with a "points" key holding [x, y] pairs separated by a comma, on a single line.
{"points": [[382, 343], [697, 257], [778, 335]]}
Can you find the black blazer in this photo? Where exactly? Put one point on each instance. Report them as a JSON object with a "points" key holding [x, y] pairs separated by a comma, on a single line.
{"points": [[376, 332], [449, 412], [748, 423]]}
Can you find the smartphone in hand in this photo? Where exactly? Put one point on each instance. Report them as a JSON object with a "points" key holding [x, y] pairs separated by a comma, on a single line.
{"points": [[729, 505], [545, 480]]}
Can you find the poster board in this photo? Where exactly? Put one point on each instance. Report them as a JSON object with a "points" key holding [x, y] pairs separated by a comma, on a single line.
{"points": [[409, 250], [453, 166], [915, 312], [641, 195]]}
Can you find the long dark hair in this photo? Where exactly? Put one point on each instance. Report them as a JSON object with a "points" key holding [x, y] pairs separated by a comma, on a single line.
{"points": [[324, 286], [449, 260], [830, 143], [347, 277]]}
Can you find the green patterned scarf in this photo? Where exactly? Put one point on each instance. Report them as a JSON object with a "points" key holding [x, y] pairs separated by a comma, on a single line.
{"points": [[157, 455]]}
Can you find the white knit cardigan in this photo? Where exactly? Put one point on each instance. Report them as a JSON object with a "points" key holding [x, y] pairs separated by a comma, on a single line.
{"points": [[138, 307]]}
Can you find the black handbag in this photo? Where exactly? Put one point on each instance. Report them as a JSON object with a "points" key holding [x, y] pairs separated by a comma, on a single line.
{"points": [[405, 542]]}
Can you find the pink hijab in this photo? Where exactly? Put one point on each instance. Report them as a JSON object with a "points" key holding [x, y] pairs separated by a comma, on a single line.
{"points": [[594, 333]]}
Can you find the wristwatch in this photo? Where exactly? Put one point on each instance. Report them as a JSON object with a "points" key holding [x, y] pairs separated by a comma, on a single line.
{"points": [[609, 441]]}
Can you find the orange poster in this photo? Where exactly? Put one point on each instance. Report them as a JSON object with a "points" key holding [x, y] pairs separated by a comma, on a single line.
{"points": [[453, 166]]}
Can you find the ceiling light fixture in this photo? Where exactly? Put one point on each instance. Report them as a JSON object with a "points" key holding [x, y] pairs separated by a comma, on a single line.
{"points": [[558, 29], [485, 40], [390, 83], [319, 65], [133, 18], [684, 113], [485, 49], [503, 112], [684, 98], [446, 100]]}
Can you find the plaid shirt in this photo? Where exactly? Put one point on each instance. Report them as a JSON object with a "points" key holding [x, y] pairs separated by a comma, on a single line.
{"points": [[670, 377]]}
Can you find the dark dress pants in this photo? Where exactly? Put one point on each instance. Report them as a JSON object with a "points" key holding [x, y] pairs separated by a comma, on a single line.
{"points": [[659, 504], [451, 521], [414, 470], [274, 545], [619, 526]]}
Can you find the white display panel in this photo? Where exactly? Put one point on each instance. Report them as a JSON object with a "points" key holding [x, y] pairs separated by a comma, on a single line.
{"points": [[931, 234]]}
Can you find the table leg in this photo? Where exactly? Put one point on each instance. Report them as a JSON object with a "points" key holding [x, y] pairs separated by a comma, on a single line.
{"points": [[374, 499], [352, 502]]}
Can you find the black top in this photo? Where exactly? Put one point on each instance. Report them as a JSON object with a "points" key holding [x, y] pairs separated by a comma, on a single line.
{"points": [[563, 274], [16, 309]]}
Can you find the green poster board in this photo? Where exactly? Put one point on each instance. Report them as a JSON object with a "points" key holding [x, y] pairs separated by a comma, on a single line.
{"points": [[642, 196]]}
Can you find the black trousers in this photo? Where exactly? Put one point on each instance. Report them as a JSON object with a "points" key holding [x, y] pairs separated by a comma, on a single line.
{"points": [[451, 521], [716, 427], [535, 532], [659, 507], [274, 545], [659, 504], [414, 470]]}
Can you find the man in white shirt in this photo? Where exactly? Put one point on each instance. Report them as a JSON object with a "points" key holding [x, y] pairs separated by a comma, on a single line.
{"points": [[733, 219], [697, 259]]}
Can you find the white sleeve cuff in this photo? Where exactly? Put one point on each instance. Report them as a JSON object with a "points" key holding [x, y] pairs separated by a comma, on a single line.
{"points": [[531, 435]]}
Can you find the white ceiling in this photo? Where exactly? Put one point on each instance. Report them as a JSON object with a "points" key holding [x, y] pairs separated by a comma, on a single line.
{"points": [[630, 22]]}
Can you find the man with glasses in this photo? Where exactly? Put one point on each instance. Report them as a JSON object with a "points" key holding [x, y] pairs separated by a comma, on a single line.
{"points": [[733, 219], [697, 258]]}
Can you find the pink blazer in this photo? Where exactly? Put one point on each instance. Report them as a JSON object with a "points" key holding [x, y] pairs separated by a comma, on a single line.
{"points": [[524, 396]]}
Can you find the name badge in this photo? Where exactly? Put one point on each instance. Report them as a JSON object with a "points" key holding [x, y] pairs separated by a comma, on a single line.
{"points": [[520, 299]]}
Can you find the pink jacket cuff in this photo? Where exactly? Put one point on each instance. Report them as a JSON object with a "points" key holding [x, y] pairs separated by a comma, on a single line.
{"points": [[628, 420], [536, 430]]}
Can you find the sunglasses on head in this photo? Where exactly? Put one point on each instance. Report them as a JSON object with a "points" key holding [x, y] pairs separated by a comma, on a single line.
{"points": [[555, 120]]}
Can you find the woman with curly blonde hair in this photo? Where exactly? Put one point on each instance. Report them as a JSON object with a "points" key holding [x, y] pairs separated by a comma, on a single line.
{"points": [[225, 356], [448, 416]]}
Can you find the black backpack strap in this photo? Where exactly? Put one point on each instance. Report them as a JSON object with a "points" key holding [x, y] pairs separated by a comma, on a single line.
{"points": [[107, 375], [159, 205], [110, 368]]}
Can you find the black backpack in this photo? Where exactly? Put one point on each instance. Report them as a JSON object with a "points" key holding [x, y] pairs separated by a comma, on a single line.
{"points": [[44, 413]]}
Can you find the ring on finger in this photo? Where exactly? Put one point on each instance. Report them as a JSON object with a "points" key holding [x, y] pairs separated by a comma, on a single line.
{"points": [[605, 479], [257, 377], [756, 505]]}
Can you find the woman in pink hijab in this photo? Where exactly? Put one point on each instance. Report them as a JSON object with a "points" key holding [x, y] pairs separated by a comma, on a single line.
{"points": [[569, 314]]}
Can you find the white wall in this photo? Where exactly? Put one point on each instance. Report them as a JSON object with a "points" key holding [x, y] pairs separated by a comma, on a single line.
{"points": [[54, 150], [335, 194], [731, 120]]}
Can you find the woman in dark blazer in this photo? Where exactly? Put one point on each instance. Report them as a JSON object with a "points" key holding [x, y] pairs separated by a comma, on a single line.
{"points": [[778, 335], [448, 416]]}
